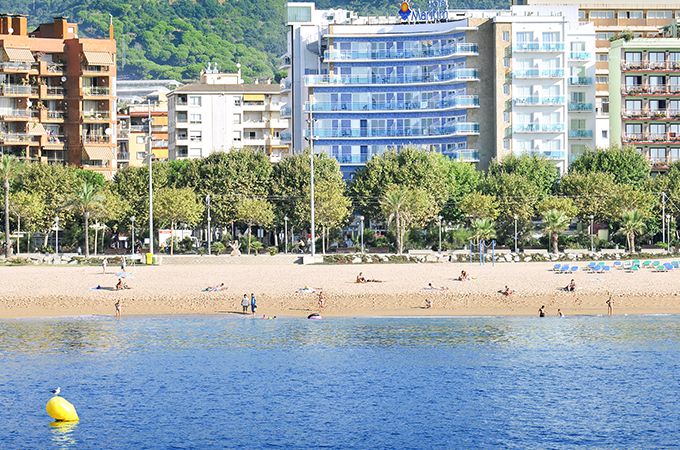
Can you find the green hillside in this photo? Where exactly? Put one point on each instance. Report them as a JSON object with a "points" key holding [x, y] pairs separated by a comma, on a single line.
{"points": [[176, 38]]}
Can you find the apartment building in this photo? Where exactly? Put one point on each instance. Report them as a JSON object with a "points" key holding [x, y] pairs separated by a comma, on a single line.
{"points": [[221, 113], [133, 130], [475, 85], [644, 93], [57, 95]]}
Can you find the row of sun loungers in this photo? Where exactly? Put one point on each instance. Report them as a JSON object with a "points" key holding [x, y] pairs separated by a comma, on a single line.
{"points": [[628, 266]]}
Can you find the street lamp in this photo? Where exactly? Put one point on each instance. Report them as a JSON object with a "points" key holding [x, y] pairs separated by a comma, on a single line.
{"points": [[440, 233], [56, 235], [132, 221], [668, 222], [592, 234], [311, 176], [285, 234], [149, 155], [361, 232], [207, 201], [516, 218]]}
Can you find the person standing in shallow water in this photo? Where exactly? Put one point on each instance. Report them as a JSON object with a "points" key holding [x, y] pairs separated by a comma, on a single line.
{"points": [[118, 309], [541, 311], [253, 304], [244, 303], [610, 304]]}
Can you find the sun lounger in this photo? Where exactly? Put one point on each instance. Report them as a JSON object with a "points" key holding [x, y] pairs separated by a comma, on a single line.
{"points": [[668, 266], [556, 267], [574, 269], [618, 265]]}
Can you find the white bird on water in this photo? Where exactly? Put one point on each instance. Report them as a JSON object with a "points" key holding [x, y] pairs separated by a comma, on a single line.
{"points": [[56, 391]]}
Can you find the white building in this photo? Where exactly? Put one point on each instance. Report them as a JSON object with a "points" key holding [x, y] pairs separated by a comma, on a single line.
{"points": [[221, 113]]}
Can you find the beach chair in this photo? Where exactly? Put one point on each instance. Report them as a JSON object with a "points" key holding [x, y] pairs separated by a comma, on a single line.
{"points": [[627, 265], [606, 268], [556, 267], [618, 265], [668, 266], [634, 268], [676, 264], [565, 268], [574, 269], [646, 264]]}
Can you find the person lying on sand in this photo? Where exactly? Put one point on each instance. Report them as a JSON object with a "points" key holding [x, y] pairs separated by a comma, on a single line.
{"points": [[507, 291], [217, 288], [428, 303], [463, 276], [435, 288], [571, 287], [362, 279], [306, 290]]}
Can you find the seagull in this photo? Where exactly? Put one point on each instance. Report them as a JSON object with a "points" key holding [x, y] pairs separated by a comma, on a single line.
{"points": [[56, 391]]}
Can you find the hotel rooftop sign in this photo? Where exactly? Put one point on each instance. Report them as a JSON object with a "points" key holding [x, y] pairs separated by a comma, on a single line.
{"points": [[437, 11]]}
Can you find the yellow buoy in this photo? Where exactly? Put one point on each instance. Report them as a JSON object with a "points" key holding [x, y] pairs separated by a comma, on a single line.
{"points": [[61, 409]]}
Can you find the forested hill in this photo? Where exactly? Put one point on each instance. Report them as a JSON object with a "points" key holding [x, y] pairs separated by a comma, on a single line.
{"points": [[176, 38]]}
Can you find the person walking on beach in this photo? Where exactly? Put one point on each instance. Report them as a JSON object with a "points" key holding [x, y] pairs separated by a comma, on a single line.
{"points": [[253, 304], [244, 303], [118, 306], [610, 304], [541, 311], [123, 263], [559, 313], [322, 299], [105, 262]]}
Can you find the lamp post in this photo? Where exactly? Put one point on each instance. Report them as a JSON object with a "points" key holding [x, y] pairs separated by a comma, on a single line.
{"points": [[439, 218], [516, 218], [592, 233], [361, 232], [285, 234], [668, 222], [149, 155], [132, 221], [56, 235], [207, 202], [311, 174]]}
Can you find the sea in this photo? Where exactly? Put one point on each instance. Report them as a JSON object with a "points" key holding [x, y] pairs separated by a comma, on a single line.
{"points": [[214, 382]]}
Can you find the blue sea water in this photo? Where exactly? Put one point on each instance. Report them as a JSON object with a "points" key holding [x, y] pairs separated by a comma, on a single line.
{"points": [[235, 382]]}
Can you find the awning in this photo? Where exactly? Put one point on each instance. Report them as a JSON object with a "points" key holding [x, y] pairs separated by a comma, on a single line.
{"points": [[98, 153], [18, 54], [36, 129], [98, 58], [253, 97]]}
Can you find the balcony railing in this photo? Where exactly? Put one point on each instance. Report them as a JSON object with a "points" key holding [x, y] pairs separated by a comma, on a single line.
{"points": [[55, 90], [96, 91], [580, 134], [580, 107], [55, 114], [548, 154], [634, 89], [535, 100], [538, 73], [18, 66], [448, 50], [448, 75], [651, 137], [96, 139], [460, 128], [18, 114], [123, 156], [580, 81], [538, 128], [579, 56], [96, 115], [651, 114], [460, 102], [15, 137], [86, 68], [650, 65], [56, 139], [538, 47], [19, 89], [285, 111], [465, 155]]}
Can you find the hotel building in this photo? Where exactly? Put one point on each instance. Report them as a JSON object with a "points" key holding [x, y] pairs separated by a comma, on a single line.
{"points": [[57, 95], [221, 113], [644, 92]]}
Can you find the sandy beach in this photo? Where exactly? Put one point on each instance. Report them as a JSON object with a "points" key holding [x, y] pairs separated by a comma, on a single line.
{"points": [[34, 291]]}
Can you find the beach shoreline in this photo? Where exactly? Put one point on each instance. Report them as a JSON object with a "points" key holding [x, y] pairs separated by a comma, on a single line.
{"points": [[56, 291]]}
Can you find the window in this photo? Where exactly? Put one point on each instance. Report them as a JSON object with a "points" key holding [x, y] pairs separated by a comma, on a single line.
{"points": [[605, 134], [578, 46], [506, 36], [251, 135], [632, 57], [195, 136], [604, 36], [506, 144], [605, 105], [602, 79], [506, 116], [659, 14], [195, 100], [525, 36], [195, 152], [194, 118], [237, 101], [581, 14], [237, 118], [601, 14], [506, 89], [237, 136], [182, 151], [551, 36], [140, 139], [630, 15], [657, 154], [602, 57], [506, 62], [182, 116], [299, 14]]}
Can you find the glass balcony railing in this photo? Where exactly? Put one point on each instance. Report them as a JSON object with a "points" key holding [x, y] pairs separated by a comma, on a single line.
{"points": [[578, 107], [650, 89], [352, 159], [549, 154], [538, 73], [538, 128], [580, 134], [285, 136], [538, 47], [580, 81], [460, 128], [448, 75], [285, 111], [448, 50], [535, 100], [18, 114], [19, 89], [579, 56], [465, 155], [466, 101]]}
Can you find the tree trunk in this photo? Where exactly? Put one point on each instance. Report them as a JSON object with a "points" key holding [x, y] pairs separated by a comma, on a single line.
{"points": [[631, 243], [323, 240], [172, 238], [103, 233], [399, 235], [18, 234], [28, 243], [87, 234], [249, 236], [555, 238], [96, 236], [7, 242]]}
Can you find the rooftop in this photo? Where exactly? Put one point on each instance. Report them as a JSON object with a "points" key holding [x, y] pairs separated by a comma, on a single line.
{"points": [[236, 88]]}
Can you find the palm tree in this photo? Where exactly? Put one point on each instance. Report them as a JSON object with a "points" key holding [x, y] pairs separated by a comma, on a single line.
{"points": [[632, 223], [483, 229], [86, 200], [395, 207], [554, 222], [9, 168]]}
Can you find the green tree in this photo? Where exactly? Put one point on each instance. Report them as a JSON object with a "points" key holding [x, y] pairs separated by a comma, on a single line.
{"points": [[555, 222], [590, 192], [626, 165], [85, 201], [483, 229], [28, 209], [10, 167], [538, 170], [517, 196], [254, 211], [562, 204], [406, 207], [463, 179], [479, 206], [331, 207], [632, 223], [174, 206]]}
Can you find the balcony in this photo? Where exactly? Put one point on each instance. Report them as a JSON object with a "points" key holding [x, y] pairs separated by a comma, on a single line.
{"points": [[538, 101], [580, 107], [580, 81], [465, 101], [97, 139], [286, 84], [18, 90], [579, 56], [123, 156], [54, 116], [538, 128], [96, 116], [18, 67], [448, 75], [651, 138], [548, 154], [55, 142], [646, 89], [97, 70], [457, 129], [538, 73], [646, 114], [15, 138], [580, 134], [652, 66], [464, 155], [21, 115], [96, 91], [534, 47], [285, 136], [285, 112], [51, 68], [448, 50], [52, 91]]}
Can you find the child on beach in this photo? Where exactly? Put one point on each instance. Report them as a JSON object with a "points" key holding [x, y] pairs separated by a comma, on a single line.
{"points": [[244, 303]]}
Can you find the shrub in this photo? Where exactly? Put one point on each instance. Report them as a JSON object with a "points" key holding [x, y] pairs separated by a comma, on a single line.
{"points": [[272, 251], [218, 248]]}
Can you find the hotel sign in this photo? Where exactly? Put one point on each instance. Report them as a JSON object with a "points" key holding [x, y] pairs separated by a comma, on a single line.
{"points": [[436, 11]]}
